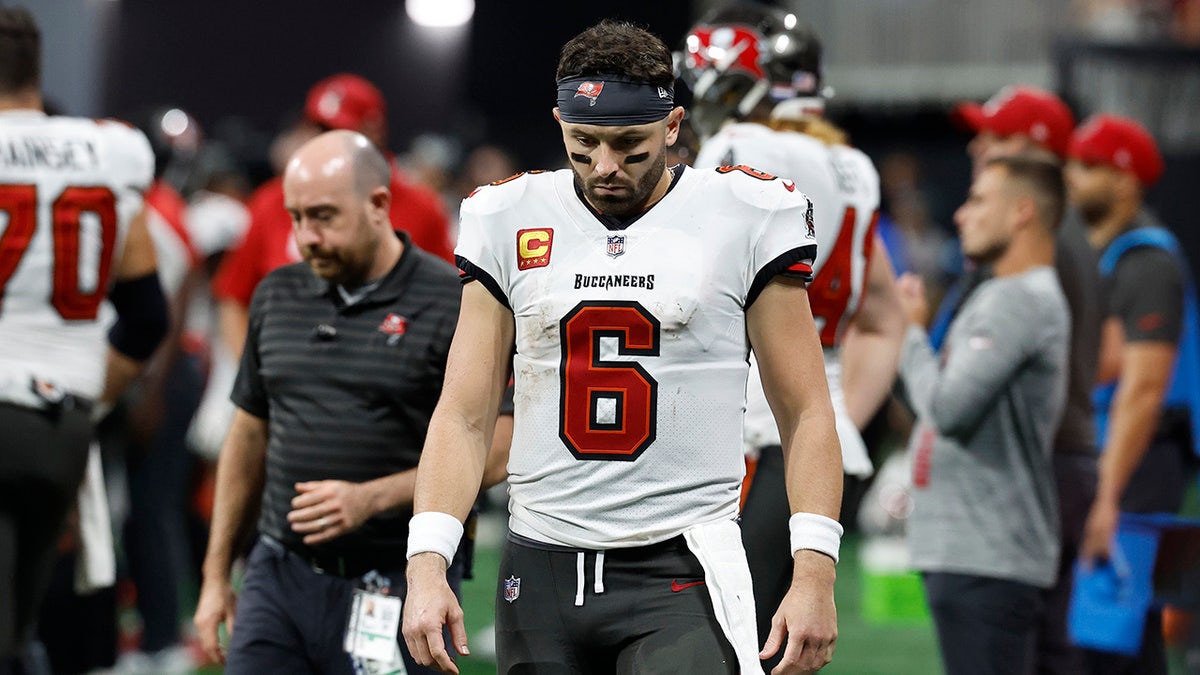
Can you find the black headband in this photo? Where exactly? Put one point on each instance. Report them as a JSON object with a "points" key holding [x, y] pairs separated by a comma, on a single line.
{"points": [[612, 101]]}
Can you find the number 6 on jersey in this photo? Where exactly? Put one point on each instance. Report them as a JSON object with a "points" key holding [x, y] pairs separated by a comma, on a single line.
{"points": [[608, 408]]}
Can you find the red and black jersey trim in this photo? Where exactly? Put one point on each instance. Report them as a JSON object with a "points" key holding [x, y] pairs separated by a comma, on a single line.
{"points": [[796, 263], [469, 271]]}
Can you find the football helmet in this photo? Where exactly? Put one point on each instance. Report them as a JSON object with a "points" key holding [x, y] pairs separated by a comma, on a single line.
{"points": [[743, 54], [176, 138]]}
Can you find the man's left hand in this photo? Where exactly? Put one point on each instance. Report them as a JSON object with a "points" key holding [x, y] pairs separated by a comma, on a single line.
{"points": [[327, 509], [807, 616]]}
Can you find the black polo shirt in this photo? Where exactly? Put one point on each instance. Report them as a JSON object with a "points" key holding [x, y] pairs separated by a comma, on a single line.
{"points": [[347, 391]]}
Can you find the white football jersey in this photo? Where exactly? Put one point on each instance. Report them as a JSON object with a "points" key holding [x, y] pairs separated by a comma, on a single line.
{"points": [[844, 188], [172, 253], [69, 188], [631, 346]]}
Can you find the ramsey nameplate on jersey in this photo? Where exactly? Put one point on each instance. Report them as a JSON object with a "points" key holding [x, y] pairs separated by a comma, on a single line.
{"points": [[69, 188], [631, 353]]}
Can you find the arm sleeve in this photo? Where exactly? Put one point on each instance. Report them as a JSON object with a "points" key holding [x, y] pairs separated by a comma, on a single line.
{"points": [[985, 354], [142, 316], [1147, 295]]}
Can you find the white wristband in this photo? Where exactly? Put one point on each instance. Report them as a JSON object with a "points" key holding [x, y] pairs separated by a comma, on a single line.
{"points": [[432, 531], [815, 532]]}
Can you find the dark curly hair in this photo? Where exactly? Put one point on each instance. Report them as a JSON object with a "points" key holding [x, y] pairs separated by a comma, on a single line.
{"points": [[20, 50], [617, 48]]}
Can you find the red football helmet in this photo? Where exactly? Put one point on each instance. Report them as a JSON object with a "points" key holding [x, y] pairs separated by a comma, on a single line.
{"points": [[740, 55]]}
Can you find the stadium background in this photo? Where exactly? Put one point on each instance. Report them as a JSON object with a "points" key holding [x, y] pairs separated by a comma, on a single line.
{"points": [[897, 66]]}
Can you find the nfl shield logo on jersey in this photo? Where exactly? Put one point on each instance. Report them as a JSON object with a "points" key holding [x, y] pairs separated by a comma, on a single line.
{"points": [[512, 588], [616, 245]]}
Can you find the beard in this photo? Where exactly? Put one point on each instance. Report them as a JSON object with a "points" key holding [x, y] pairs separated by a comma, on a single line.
{"points": [[1095, 211], [344, 266], [630, 200], [988, 254]]}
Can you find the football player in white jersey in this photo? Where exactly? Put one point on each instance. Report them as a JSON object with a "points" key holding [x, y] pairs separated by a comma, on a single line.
{"points": [[71, 235], [756, 75], [632, 293]]}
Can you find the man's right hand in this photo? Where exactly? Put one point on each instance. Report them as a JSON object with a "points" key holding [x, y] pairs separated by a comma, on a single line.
{"points": [[430, 605], [1099, 531], [217, 605], [911, 291]]}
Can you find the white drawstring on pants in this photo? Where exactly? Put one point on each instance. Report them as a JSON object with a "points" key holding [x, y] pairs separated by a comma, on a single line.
{"points": [[580, 564], [579, 579]]}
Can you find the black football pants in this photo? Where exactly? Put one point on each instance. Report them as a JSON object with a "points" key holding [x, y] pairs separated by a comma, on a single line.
{"points": [[42, 460], [640, 610]]}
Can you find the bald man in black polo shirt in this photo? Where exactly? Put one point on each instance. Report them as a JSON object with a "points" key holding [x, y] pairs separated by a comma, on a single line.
{"points": [[343, 365]]}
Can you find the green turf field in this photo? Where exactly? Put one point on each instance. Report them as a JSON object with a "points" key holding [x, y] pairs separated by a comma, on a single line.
{"points": [[865, 647]]}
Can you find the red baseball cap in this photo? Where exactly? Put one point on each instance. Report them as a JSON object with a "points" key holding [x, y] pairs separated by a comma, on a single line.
{"points": [[344, 101], [1024, 110], [1119, 142]]}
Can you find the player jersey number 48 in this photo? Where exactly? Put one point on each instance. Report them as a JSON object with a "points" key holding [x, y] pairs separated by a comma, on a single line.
{"points": [[833, 289], [84, 229]]}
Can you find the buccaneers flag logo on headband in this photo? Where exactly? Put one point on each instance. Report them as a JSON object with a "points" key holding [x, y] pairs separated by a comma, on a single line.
{"points": [[590, 91]]}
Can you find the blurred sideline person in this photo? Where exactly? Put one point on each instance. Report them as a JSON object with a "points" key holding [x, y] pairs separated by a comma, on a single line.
{"points": [[1030, 122], [1018, 120], [1148, 404], [984, 525], [71, 192], [342, 101], [343, 364], [624, 553], [852, 296], [227, 320], [151, 423]]}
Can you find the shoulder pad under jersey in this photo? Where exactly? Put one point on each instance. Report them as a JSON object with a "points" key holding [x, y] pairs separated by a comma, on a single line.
{"points": [[501, 194], [130, 152], [866, 168], [756, 188]]}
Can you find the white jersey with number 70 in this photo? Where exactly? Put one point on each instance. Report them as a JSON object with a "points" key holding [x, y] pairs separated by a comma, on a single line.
{"points": [[69, 188]]}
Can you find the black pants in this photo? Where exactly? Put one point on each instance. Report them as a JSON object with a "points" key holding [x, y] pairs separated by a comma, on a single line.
{"points": [[651, 614], [985, 626], [42, 459], [156, 534], [1075, 477], [1158, 485], [292, 619]]}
